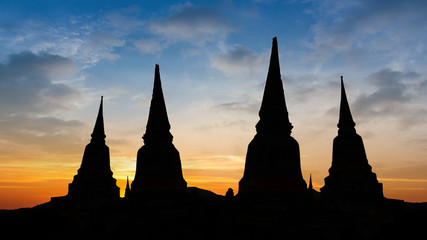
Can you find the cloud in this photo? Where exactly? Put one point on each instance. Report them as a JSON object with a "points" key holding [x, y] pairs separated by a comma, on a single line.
{"points": [[192, 24], [370, 30], [85, 38], [125, 20], [99, 46], [390, 92], [239, 60], [243, 106], [392, 98], [49, 134], [30, 92], [303, 88], [420, 143], [149, 45], [28, 83]]}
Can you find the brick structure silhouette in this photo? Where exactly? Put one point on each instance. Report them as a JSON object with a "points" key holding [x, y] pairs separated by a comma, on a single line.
{"points": [[94, 181], [350, 176], [158, 167], [273, 158]]}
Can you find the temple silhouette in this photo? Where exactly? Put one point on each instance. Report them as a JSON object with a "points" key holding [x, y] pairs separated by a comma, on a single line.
{"points": [[273, 200], [158, 166], [273, 163], [350, 177], [94, 182]]}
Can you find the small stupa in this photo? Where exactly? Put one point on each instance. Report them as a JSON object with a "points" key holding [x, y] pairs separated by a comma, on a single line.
{"points": [[127, 189], [158, 167], [273, 157], [94, 180], [350, 176]]}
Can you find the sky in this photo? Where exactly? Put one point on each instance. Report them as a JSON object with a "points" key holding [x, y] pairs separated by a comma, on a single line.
{"points": [[57, 58]]}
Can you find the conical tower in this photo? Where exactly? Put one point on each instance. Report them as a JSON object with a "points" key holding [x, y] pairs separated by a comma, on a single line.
{"points": [[94, 180], [273, 158], [158, 167], [127, 189], [350, 176]]}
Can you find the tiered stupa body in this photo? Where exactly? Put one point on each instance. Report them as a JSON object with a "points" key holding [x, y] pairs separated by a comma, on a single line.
{"points": [[350, 176], [158, 167], [94, 180], [273, 158]]}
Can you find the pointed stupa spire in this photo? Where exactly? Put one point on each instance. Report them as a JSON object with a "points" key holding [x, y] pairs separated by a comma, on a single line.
{"points": [[310, 184], [350, 177], [98, 131], [274, 113], [127, 189], [273, 163], [345, 123], [94, 181], [127, 182], [158, 167], [158, 123]]}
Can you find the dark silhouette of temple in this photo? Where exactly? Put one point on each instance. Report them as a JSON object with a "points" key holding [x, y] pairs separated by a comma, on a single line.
{"points": [[158, 167], [94, 182], [273, 201], [350, 177], [273, 157]]}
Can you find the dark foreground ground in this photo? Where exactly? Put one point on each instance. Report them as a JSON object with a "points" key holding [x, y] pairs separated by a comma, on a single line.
{"points": [[204, 215]]}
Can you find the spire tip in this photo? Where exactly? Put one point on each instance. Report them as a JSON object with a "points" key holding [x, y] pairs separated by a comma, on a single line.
{"points": [[345, 122]]}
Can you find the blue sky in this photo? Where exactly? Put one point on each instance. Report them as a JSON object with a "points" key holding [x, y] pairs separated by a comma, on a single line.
{"points": [[58, 57]]}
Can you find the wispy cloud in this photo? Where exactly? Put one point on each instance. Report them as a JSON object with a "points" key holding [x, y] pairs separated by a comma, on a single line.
{"points": [[29, 83], [370, 30], [150, 45], [87, 39], [394, 92], [402, 180], [240, 61], [29, 93], [243, 106], [192, 24]]}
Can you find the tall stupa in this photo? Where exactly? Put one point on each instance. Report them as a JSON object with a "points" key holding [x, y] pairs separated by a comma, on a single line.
{"points": [[94, 180], [158, 167], [273, 157]]}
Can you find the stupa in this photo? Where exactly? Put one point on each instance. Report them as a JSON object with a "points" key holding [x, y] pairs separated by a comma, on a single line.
{"points": [[94, 180], [350, 176], [273, 158], [158, 167], [127, 189]]}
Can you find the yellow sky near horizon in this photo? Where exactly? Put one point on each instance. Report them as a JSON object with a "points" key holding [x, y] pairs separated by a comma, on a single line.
{"points": [[27, 186], [30, 179], [33, 174]]}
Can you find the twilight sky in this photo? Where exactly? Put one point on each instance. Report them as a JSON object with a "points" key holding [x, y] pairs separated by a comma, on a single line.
{"points": [[58, 57]]}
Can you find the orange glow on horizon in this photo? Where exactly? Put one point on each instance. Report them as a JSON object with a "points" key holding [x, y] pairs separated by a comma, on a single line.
{"points": [[28, 187]]}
